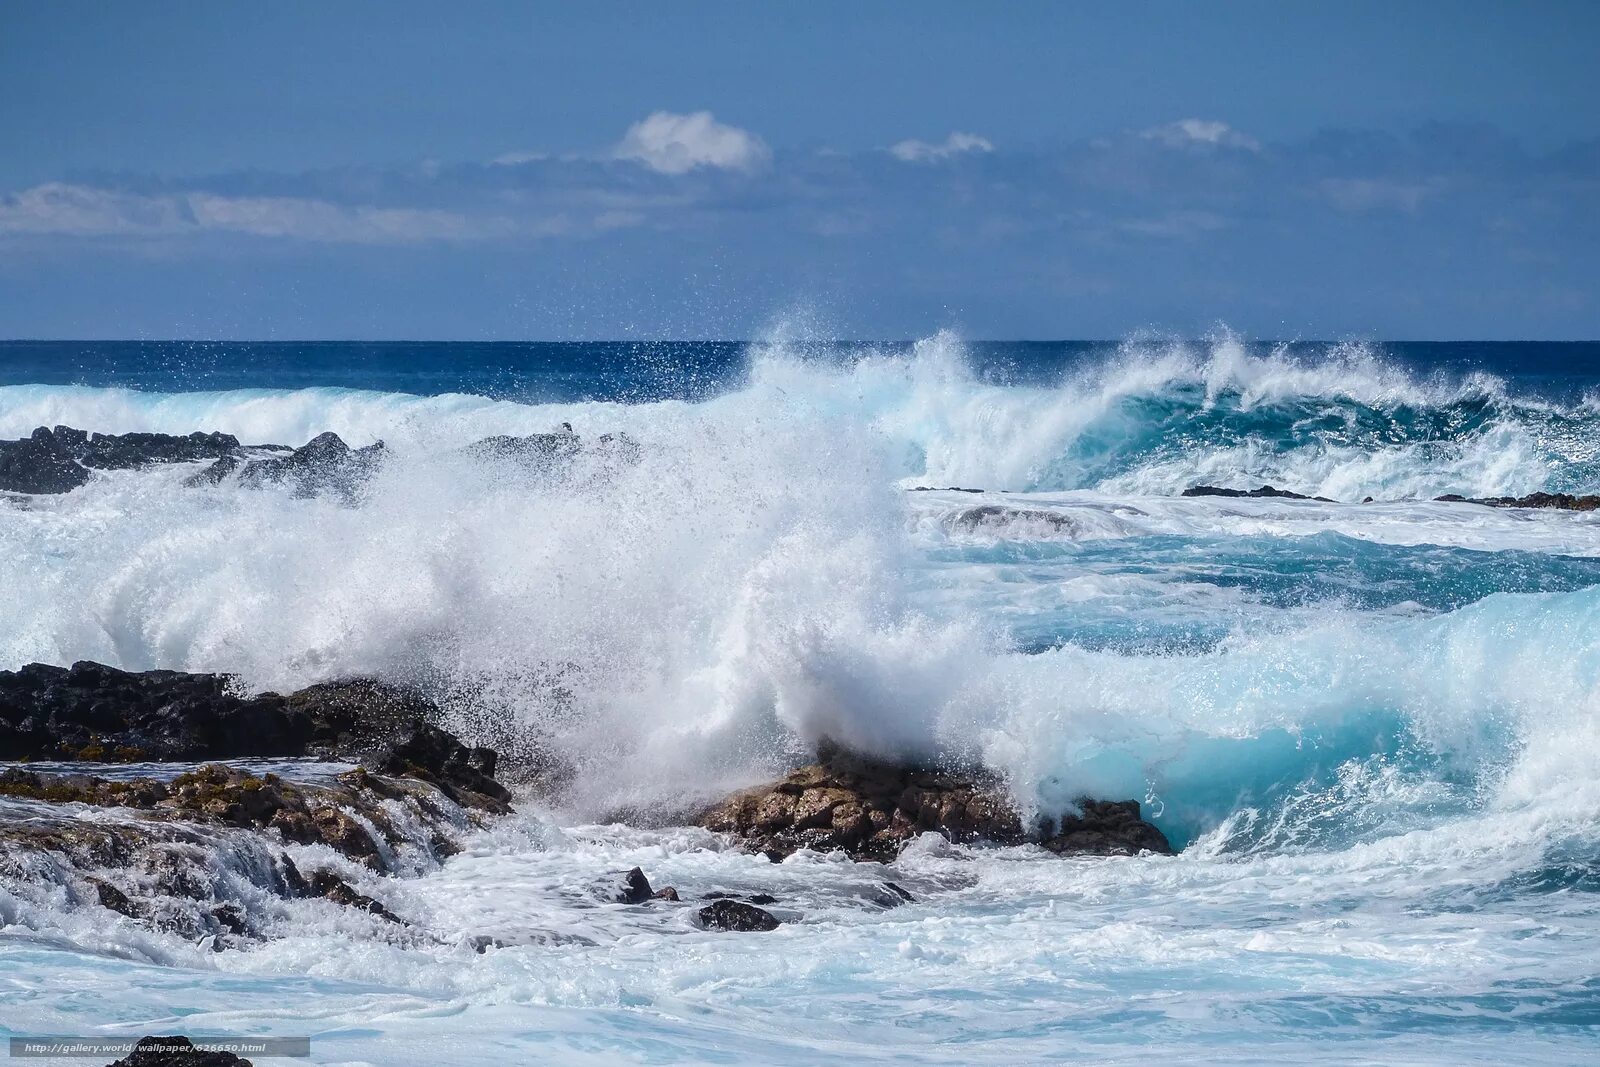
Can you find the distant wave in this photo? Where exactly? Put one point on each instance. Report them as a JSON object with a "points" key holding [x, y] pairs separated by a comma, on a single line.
{"points": [[1144, 420]]}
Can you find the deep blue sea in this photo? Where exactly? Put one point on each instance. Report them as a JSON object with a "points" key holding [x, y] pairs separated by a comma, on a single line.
{"points": [[1372, 723]]}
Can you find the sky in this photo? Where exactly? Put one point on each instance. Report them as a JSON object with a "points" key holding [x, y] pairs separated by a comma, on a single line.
{"points": [[644, 170]]}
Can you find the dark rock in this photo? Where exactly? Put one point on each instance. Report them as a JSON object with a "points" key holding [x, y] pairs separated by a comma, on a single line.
{"points": [[109, 896], [324, 465], [900, 892], [1557, 501], [329, 885], [635, 888], [59, 460], [1266, 491], [870, 808], [667, 893], [943, 489], [97, 713], [733, 915], [176, 1051]]}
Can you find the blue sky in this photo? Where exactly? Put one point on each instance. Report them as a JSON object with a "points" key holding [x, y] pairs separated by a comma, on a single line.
{"points": [[702, 170]]}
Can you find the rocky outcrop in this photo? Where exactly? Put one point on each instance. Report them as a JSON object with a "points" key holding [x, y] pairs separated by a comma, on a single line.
{"points": [[97, 713], [171, 852], [869, 809], [1559, 501], [1266, 491], [59, 460], [326, 465]]}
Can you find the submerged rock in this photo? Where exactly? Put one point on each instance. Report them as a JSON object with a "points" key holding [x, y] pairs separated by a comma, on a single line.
{"points": [[870, 808], [1266, 491], [997, 518], [1558, 501], [96, 713], [736, 916]]}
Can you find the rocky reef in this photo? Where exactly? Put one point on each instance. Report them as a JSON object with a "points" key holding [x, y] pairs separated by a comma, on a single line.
{"points": [[869, 809], [197, 848]]}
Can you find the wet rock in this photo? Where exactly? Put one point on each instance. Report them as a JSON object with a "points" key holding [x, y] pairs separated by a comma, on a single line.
{"points": [[97, 713], [1266, 491], [59, 460], [667, 893], [992, 518], [736, 916], [39, 464], [324, 465], [330, 886], [1557, 501], [635, 888], [219, 795], [870, 808], [176, 1051]]}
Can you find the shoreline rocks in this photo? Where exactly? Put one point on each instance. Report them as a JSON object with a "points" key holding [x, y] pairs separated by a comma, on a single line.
{"points": [[95, 713], [1556, 501], [59, 460], [869, 809]]}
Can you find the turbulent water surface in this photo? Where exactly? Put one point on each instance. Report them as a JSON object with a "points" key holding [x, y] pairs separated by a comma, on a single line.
{"points": [[1372, 728]]}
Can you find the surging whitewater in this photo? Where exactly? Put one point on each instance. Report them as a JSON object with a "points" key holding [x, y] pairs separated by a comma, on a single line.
{"points": [[1374, 726]]}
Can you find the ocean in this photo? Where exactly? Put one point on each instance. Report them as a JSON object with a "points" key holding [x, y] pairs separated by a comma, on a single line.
{"points": [[1370, 724]]}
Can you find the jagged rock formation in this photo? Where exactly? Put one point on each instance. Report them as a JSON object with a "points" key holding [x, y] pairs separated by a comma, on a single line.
{"points": [[98, 713], [870, 808], [178, 854], [59, 460]]}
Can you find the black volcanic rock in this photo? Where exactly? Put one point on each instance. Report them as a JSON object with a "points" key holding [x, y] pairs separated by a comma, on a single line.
{"points": [[59, 460], [736, 916], [324, 465], [1266, 491], [93, 712], [1557, 501], [870, 808]]}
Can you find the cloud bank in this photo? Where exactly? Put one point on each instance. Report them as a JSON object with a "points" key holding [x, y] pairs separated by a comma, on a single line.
{"points": [[689, 226]]}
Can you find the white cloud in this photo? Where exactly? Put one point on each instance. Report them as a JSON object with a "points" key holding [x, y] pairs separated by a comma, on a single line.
{"points": [[958, 143], [1186, 132], [675, 144], [77, 210]]}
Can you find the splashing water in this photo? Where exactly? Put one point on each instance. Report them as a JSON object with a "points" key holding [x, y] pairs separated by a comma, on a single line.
{"points": [[1374, 726]]}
